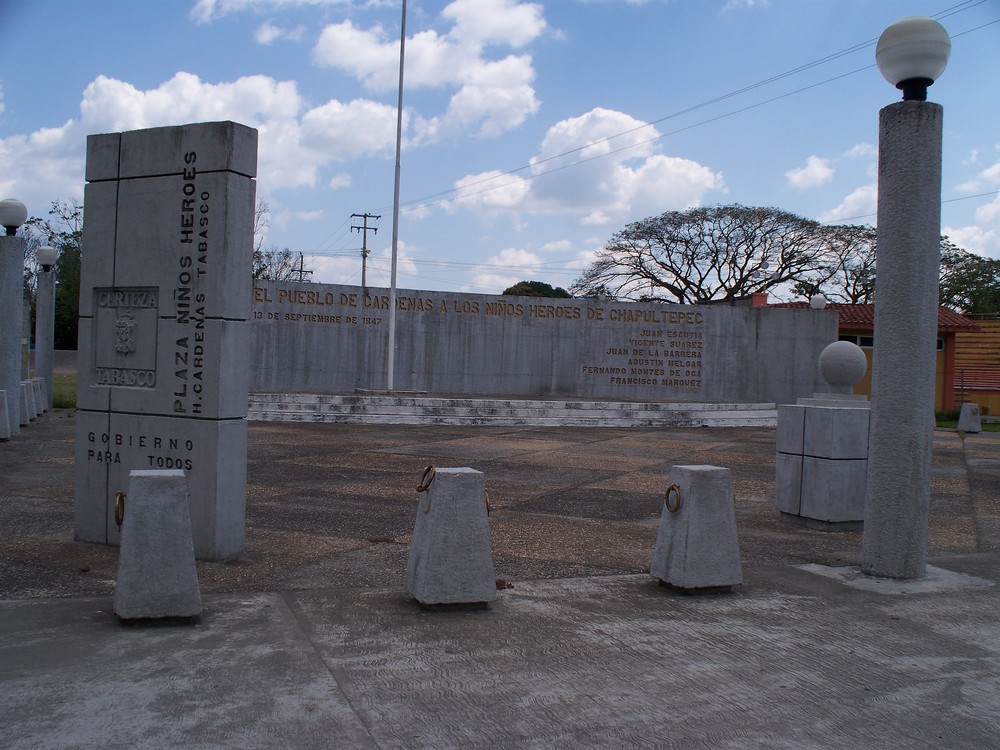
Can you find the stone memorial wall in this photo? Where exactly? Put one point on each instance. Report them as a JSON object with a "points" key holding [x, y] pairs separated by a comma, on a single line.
{"points": [[164, 334], [319, 338]]}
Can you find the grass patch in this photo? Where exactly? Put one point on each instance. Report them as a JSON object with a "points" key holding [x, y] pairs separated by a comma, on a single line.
{"points": [[64, 391], [949, 420]]}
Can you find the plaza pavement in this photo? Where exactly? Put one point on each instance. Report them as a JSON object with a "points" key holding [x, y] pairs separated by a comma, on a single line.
{"points": [[309, 639]]}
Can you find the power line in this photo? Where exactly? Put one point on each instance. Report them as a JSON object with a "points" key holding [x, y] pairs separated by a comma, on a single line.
{"points": [[438, 198], [949, 200]]}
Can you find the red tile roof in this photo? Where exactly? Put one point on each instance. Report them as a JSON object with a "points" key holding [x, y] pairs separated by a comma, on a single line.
{"points": [[862, 317]]}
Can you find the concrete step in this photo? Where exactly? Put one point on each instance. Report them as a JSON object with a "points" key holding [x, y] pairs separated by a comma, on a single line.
{"points": [[373, 408]]}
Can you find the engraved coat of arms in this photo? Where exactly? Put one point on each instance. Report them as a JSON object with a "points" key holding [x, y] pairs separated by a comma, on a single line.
{"points": [[125, 333]]}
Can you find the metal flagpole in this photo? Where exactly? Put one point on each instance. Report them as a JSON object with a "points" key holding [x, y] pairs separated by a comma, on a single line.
{"points": [[391, 358]]}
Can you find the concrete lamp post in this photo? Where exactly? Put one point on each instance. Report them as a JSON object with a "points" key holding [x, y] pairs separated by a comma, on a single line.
{"points": [[12, 215], [45, 316], [911, 54]]}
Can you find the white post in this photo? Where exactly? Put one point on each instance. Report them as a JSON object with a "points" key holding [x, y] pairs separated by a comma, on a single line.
{"points": [[391, 356]]}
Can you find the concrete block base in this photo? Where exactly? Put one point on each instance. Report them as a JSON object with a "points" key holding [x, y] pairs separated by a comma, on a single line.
{"points": [[41, 397], [696, 544], [968, 418], [832, 490], [816, 525], [450, 557], [157, 576], [4, 419], [28, 412], [788, 483], [821, 464]]}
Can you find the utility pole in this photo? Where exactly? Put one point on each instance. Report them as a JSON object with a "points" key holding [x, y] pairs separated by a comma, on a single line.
{"points": [[364, 246], [301, 270]]}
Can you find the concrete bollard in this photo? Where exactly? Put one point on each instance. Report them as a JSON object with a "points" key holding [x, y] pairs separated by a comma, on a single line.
{"points": [[696, 544], [451, 561], [4, 418], [28, 412], [968, 419], [38, 390], [157, 576]]}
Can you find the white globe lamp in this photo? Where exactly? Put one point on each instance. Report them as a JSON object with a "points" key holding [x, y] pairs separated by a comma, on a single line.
{"points": [[912, 54]]}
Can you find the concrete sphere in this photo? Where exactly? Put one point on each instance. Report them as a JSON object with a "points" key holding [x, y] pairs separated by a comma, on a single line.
{"points": [[843, 363]]}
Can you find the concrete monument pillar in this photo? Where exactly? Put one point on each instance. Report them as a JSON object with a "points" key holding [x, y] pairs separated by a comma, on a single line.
{"points": [[25, 335], [45, 319], [12, 216], [164, 302], [906, 304]]}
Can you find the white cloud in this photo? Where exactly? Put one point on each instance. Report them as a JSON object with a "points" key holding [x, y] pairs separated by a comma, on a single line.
{"points": [[496, 97], [977, 239], [342, 131], [340, 180], [380, 264], [369, 55], [205, 11], [347, 270], [327, 270], [861, 202], [991, 174], [522, 264], [749, 4], [117, 105], [504, 22], [989, 213], [816, 172], [47, 163], [491, 96], [986, 178], [862, 151], [556, 246], [294, 145], [615, 174], [267, 33], [982, 237], [492, 191]]}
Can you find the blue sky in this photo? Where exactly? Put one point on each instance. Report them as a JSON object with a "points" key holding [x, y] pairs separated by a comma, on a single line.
{"points": [[533, 131]]}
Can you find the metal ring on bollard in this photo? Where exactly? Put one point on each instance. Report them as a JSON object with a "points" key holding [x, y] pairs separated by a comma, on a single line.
{"points": [[119, 508], [425, 483], [676, 505]]}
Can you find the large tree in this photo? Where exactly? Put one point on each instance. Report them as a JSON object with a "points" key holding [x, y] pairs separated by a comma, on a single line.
{"points": [[847, 268], [535, 289], [705, 254], [969, 283], [272, 263], [63, 231]]}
